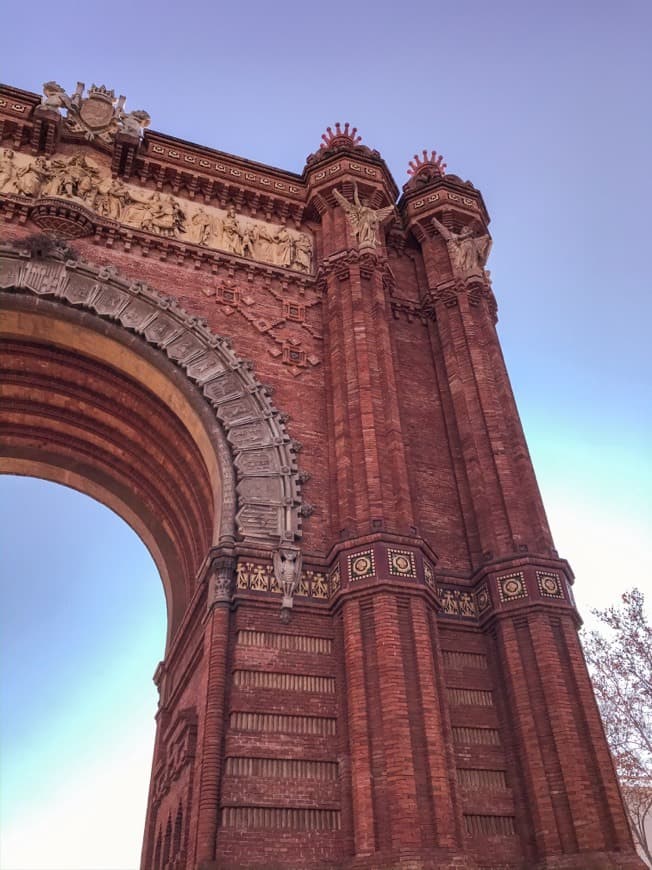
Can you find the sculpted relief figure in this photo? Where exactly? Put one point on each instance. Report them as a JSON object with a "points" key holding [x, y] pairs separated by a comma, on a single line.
{"points": [[134, 123], [32, 177], [468, 253], [364, 221], [166, 217], [287, 568], [112, 196], [201, 228], [54, 97], [302, 254], [7, 172], [78, 177], [232, 239]]}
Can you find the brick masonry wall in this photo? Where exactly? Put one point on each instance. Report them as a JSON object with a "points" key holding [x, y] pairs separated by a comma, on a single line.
{"points": [[427, 704]]}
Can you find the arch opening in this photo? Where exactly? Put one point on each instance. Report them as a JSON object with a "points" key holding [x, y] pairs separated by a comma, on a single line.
{"points": [[84, 406], [83, 625]]}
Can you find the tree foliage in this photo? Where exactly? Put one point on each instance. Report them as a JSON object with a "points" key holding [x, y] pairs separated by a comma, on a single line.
{"points": [[620, 661]]}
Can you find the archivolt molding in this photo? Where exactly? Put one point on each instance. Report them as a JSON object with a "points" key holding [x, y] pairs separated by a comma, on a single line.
{"points": [[269, 507]]}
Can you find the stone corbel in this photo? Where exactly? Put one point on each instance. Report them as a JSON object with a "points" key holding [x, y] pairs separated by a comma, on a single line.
{"points": [[221, 581], [287, 568]]}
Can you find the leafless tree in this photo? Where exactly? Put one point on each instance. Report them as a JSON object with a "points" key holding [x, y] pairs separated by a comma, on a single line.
{"points": [[620, 661]]}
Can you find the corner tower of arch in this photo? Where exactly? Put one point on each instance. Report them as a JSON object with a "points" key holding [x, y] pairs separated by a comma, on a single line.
{"points": [[291, 386]]}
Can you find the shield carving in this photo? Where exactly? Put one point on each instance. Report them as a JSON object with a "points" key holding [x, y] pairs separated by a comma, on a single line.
{"points": [[96, 112]]}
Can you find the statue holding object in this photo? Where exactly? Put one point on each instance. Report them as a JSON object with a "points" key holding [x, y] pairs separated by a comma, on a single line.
{"points": [[468, 253]]}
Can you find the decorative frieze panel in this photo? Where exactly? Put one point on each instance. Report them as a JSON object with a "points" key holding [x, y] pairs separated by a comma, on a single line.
{"points": [[70, 194], [512, 586], [455, 602], [256, 577], [549, 585], [361, 565]]}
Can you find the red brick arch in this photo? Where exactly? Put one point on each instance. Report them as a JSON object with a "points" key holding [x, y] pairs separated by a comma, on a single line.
{"points": [[113, 389]]}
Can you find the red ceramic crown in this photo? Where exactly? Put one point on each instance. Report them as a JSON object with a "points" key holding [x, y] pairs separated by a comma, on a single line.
{"points": [[346, 136], [434, 162]]}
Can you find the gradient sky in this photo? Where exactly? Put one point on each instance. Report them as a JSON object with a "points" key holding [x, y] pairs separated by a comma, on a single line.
{"points": [[545, 107]]}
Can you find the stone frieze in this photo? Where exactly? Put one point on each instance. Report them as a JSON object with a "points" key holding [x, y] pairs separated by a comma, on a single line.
{"points": [[81, 179]]}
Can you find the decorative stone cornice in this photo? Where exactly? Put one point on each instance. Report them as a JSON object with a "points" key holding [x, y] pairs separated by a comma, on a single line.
{"points": [[262, 452]]}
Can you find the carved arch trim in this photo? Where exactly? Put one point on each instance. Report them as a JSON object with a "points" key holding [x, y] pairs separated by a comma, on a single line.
{"points": [[268, 488]]}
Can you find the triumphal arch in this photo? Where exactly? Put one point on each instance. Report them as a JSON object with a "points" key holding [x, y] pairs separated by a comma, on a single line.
{"points": [[291, 386]]}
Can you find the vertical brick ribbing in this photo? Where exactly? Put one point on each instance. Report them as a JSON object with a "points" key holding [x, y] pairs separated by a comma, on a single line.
{"points": [[557, 711], [416, 714], [382, 832], [529, 751], [436, 731], [368, 444], [399, 760], [616, 827], [364, 834], [215, 651], [536, 531], [553, 783]]}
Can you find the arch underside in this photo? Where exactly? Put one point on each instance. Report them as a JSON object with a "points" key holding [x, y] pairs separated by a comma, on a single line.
{"points": [[95, 396]]}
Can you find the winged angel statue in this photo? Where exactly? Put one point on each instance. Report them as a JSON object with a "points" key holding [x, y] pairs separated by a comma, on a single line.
{"points": [[364, 221]]}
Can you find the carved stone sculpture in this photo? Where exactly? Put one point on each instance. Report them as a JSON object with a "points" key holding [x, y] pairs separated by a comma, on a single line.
{"points": [[364, 221], [55, 97], [231, 233], [81, 178], [202, 228], [302, 254], [77, 178], [287, 568], [134, 123], [98, 115], [31, 178], [468, 253], [7, 172], [221, 581], [283, 243]]}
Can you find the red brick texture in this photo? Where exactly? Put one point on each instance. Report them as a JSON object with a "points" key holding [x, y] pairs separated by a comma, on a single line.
{"points": [[427, 704]]}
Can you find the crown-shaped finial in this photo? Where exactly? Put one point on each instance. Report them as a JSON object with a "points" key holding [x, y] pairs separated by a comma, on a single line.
{"points": [[102, 91], [435, 163], [346, 136]]}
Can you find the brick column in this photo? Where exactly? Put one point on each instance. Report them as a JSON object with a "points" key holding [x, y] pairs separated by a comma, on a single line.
{"points": [[364, 833], [564, 762], [216, 642]]}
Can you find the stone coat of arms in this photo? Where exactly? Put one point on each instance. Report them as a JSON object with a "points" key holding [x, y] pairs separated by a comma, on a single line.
{"points": [[97, 116]]}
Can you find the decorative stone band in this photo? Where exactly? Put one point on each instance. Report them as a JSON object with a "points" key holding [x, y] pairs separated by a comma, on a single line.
{"points": [[269, 483], [502, 590], [259, 577]]}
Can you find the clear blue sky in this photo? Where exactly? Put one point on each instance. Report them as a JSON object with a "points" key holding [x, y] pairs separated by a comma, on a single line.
{"points": [[545, 107]]}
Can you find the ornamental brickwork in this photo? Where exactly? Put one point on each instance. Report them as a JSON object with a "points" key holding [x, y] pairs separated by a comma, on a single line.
{"points": [[291, 386]]}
